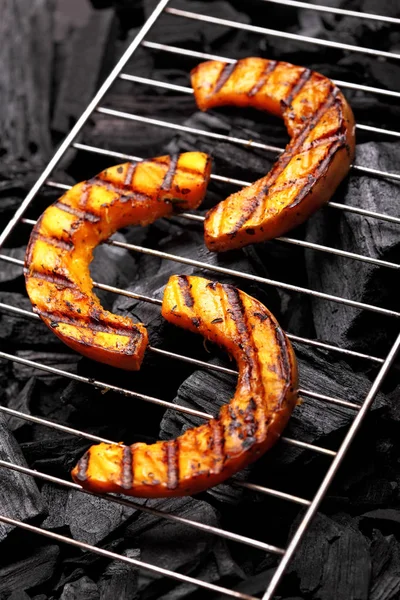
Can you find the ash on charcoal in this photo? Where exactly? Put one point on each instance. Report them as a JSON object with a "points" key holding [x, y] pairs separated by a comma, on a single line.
{"points": [[19, 495], [84, 589], [179, 547], [120, 580], [27, 52], [91, 56], [56, 499], [31, 571], [22, 403], [91, 519], [9, 271], [346, 326]]}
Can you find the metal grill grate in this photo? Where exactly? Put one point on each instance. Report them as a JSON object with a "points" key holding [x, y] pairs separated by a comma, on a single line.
{"points": [[384, 363]]}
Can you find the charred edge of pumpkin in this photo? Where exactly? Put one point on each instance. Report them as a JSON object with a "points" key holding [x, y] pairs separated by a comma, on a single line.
{"points": [[218, 442], [82, 467], [265, 75], [172, 460], [127, 468], [186, 291]]}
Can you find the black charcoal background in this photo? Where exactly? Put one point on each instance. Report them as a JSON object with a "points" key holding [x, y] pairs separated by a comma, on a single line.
{"points": [[53, 56]]}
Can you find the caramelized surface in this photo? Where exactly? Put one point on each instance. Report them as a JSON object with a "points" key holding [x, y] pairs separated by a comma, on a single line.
{"points": [[245, 428], [61, 248], [322, 130]]}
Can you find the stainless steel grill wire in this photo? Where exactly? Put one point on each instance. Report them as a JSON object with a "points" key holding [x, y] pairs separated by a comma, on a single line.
{"points": [[384, 363]]}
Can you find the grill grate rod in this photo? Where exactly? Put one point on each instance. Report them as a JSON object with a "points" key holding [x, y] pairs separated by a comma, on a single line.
{"points": [[130, 561], [335, 11], [146, 398], [94, 438], [241, 183], [241, 141], [207, 56], [147, 509], [187, 90], [150, 300], [203, 265], [281, 34], [286, 240], [334, 467]]}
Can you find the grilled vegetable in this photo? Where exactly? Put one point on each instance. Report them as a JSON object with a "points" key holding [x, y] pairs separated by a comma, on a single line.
{"points": [[61, 248], [322, 130], [245, 428]]}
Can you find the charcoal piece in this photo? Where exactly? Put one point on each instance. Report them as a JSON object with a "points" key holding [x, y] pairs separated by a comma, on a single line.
{"points": [[56, 499], [314, 421], [84, 589], [120, 580], [385, 519], [112, 266], [22, 403], [23, 332], [346, 326], [91, 47], [91, 519], [31, 571], [55, 455], [26, 58], [179, 547], [66, 362], [9, 271], [19, 495], [332, 562], [19, 595], [169, 28], [385, 576]]}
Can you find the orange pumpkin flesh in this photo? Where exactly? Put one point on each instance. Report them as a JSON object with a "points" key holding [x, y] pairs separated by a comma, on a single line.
{"points": [[245, 428], [61, 247], [318, 157]]}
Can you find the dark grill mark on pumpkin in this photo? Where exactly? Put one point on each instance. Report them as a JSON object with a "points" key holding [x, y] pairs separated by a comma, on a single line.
{"points": [[92, 322], [283, 161], [83, 200], [170, 174], [304, 77], [53, 241], [283, 358], [311, 180], [186, 291], [81, 214], [126, 468], [263, 78], [226, 72], [56, 278], [172, 458]]}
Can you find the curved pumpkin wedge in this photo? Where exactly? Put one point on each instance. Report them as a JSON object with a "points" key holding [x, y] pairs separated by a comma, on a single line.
{"points": [[61, 248], [322, 130], [245, 428]]}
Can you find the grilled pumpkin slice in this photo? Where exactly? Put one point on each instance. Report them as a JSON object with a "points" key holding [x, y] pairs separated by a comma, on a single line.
{"points": [[61, 248], [322, 130], [204, 456]]}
